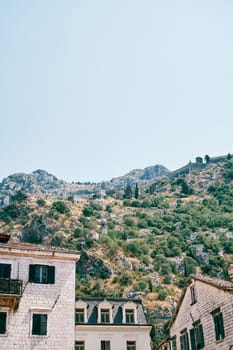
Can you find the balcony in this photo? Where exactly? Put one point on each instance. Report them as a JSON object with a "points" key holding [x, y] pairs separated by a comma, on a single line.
{"points": [[10, 292]]}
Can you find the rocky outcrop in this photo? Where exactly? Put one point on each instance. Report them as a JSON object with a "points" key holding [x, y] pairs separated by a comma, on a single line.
{"points": [[140, 176], [91, 266], [39, 182]]}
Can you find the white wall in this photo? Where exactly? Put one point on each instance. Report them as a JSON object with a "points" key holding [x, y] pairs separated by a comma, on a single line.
{"points": [[117, 335]]}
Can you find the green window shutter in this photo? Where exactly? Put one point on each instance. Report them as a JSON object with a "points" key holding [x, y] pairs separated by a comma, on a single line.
{"points": [[221, 326], [51, 274], [5, 270], [181, 343], [216, 327], [186, 341], [39, 324], [192, 338], [32, 270], [43, 324], [3, 322], [173, 344], [201, 342], [35, 324]]}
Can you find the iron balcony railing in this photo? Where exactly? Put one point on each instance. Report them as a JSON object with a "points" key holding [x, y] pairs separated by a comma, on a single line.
{"points": [[10, 286]]}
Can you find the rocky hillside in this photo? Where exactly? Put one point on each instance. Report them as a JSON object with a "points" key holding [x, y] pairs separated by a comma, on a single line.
{"points": [[41, 183], [141, 176], [143, 245]]}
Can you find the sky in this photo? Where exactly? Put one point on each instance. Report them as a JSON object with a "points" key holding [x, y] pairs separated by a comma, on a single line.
{"points": [[90, 90]]}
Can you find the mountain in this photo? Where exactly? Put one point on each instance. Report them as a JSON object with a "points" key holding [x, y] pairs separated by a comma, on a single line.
{"points": [[40, 182], [142, 247], [141, 176]]}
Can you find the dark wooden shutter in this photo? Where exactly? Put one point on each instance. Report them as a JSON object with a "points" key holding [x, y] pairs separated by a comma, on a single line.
{"points": [[43, 324], [51, 274], [36, 324], [39, 324], [2, 322], [221, 326], [201, 343], [216, 327], [5, 270], [186, 341], [32, 270], [181, 342], [192, 338]]}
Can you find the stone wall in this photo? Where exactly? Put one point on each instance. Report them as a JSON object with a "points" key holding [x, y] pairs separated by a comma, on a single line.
{"points": [[208, 299], [56, 300]]}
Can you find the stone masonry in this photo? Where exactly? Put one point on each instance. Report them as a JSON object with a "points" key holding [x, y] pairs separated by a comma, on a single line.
{"points": [[56, 300]]}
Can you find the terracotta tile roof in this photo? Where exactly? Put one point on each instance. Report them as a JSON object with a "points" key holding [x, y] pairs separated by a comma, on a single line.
{"points": [[37, 247], [222, 284]]}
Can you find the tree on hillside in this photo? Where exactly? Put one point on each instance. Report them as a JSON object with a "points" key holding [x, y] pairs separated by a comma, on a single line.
{"points": [[128, 192], [199, 160], [136, 193], [207, 158]]}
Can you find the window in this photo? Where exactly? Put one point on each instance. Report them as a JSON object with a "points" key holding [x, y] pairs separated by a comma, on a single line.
{"points": [[79, 316], [79, 345], [105, 345], [196, 337], [39, 324], [3, 317], [129, 316], [193, 295], [218, 324], [184, 341], [131, 345], [173, 342], [105, 316], [42, 274], [5, 270]]}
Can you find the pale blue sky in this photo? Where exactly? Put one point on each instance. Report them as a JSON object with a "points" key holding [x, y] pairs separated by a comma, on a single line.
{"points": [[92, 89]]}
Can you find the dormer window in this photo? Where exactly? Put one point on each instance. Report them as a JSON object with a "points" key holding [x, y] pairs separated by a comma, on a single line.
{"points": [[79, 316], [105, 312], [129, 312], [80, 312], [129, 316], [105, 316]]}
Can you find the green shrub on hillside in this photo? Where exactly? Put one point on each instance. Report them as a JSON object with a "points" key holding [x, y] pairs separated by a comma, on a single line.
{"points": [[60, 207]]}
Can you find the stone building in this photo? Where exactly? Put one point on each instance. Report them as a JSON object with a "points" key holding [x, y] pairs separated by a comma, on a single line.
{"points": [[111, 324], [204, 316], [37, 296]]}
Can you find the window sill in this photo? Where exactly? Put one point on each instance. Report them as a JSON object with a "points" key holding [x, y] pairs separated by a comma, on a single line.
{"points": [[220, 340], [39, 336]]}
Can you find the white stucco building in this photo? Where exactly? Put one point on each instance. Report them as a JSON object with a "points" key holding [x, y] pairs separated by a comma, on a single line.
{"points": [[37, 296], [111, 324]]}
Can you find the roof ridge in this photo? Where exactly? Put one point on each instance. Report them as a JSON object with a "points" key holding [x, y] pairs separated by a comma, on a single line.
{"points": [[216, 282]]}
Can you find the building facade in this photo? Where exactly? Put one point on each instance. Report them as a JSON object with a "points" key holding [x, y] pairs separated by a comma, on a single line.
{"points": [[37, 296], [204, 316], [111, 324]]}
